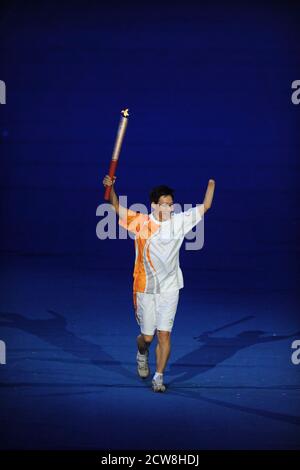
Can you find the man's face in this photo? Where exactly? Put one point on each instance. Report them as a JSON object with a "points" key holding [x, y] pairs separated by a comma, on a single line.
{"points": [[164, 208]]}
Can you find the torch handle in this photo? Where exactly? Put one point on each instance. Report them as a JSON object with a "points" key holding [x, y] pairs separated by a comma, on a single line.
{"points": [[111, 173], [117, 149]]}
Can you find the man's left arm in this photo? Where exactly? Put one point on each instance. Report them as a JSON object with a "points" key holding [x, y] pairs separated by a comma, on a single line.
{"points": [[191, 217], [209, 195]]}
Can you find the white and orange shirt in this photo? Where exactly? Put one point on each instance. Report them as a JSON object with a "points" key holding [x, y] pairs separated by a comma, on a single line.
{"points": [[157, 244]]}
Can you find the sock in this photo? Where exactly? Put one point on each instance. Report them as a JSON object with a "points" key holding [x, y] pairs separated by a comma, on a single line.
{"points": [[158, 375]]}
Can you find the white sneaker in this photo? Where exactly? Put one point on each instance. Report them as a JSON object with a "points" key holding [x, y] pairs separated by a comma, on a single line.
{"points": [[157, 385], [142, 364]]}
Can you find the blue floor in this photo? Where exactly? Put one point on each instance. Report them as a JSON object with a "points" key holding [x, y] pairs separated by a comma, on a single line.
{"points": [[70, 380]]}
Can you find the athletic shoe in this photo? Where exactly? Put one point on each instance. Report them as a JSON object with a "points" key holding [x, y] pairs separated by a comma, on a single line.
{"points": [[158, 386], [142, 364]]}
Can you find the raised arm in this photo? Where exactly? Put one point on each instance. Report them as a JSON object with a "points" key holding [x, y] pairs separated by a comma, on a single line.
{"points": [[209, 195], [113, 198]]}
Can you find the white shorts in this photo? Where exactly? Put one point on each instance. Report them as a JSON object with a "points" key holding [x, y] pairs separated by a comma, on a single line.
{"points": [[156, 311]]}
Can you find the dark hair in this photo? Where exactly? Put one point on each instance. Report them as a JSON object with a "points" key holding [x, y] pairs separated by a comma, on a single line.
{"points": [[159, 191]]}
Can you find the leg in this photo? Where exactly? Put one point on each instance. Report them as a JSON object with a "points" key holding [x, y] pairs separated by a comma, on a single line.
{"points": [[143, 342], [167, 306], [163, 350], [145, 315]]}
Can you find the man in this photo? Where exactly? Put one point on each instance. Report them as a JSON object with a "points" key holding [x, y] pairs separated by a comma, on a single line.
{"points": [[157, 274]]}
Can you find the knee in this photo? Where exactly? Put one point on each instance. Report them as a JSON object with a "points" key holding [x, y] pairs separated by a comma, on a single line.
{"points": [[164, 337], [148, 338]]}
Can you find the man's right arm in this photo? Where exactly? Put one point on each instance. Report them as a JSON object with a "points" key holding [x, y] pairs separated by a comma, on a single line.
{"points": [[113, 198]]}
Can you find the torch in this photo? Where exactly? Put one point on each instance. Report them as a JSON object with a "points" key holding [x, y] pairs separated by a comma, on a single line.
{"points": [[117, 149]]}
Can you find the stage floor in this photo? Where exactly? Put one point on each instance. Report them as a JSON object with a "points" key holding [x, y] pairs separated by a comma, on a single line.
{"points": [[70, 380]]}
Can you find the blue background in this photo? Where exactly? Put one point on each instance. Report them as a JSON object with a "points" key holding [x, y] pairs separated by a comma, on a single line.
{"points": [[209, 91]]}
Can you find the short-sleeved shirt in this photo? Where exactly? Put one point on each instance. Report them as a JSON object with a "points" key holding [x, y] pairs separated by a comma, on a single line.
{"points": [[157, 244]]}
